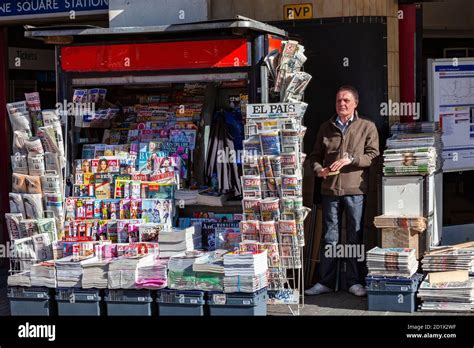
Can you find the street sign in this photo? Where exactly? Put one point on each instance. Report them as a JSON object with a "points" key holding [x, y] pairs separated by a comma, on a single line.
{"points": [[298, 11]]}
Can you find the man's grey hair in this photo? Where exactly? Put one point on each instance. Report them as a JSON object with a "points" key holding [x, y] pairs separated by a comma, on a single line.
{"points": [[351, 89]]}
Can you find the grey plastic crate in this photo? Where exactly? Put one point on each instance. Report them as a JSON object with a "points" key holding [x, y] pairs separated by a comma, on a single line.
{"points": [[129, 302], [238, 304], [180, 303], [34, 301], [79, 302], [393, 294]]}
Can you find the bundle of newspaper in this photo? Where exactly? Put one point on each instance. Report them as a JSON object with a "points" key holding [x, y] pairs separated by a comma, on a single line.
{"points": [[122, 271], [180, 270], [178, 241], [44, 274], [411, 161], [285, 70], [239, 263], [456, 257], [248, 284], [151, 273], [209, 270], [95, 273], [392, 262], [414, 222], [19, 279], [448, 292], [69, 271]]}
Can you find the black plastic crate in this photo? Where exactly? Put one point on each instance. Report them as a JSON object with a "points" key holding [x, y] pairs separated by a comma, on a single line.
{"points": [[35, 301], [238, 304], [79, 302], [180, 303], [130, 302]]}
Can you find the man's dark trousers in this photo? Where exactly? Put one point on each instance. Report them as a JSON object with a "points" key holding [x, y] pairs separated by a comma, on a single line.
{"points": [[333, 208]]}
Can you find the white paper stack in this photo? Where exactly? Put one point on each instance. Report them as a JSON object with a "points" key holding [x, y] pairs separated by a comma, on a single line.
{"points": [[178, 241], [122, 271], [447, 297], [95, 273], [245, 284], [69, 272], [245, 263], [151, 273], [19, 279], [187, 197], [43, 274], [211, 262], [392, 262], [245, 271], [450, 258]]}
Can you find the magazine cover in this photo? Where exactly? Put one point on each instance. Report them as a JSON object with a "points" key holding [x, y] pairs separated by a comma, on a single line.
{"points": [[227, 235]]}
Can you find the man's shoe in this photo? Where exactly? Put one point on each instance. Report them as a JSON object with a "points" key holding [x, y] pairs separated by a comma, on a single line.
{"points": [[317, 289], [358, 290]]}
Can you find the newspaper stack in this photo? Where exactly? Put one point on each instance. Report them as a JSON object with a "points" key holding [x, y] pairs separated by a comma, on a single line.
{"points": [[413, 149], [457, 257], [392, 262], [245, 271], [210, 271], [19, 279], [285, 69], [178, 241], [447, 297], [69, 272], [387, 221], [122, 271], [95, 273], [181, 275], [410, 161], [43, 274], [151, 273], [186, 197]]}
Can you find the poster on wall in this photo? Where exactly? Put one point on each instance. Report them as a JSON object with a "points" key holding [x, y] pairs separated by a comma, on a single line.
{"points": [[451, 102]]}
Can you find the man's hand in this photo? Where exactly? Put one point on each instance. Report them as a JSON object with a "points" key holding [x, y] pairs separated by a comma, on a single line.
{"points": [[339, 164], [323, 173]]}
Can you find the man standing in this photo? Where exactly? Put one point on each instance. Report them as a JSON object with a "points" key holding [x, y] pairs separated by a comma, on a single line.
{"points": [[345, 146]]}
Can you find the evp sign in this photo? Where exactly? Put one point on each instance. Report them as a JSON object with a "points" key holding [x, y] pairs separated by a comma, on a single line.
{"points": [[298, 11]]}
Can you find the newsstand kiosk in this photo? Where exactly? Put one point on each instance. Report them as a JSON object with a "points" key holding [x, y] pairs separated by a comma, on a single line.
{"points": [[227, 56]]}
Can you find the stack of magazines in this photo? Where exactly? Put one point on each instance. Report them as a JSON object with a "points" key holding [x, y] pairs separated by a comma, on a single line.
{"points": [[386, 221], [19, 279], [180, 270], [69, 272], [392, 262], [210, 271], [457, 257], [245, 271], [151, 273], [178, 241], [95, 273], [447, 296], [413, 149], [43, 274], [122, 271]]}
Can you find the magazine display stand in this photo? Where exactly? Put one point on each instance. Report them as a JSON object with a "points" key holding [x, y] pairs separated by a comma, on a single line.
{"points": [[272, 178]]}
